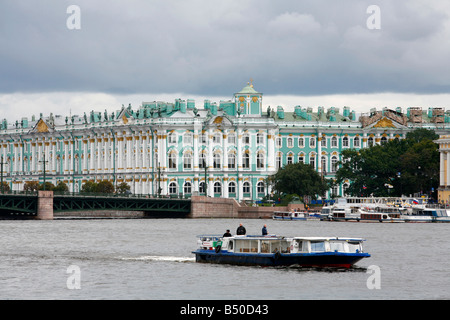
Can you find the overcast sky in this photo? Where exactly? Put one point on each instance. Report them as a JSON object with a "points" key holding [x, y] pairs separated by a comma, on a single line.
{"points": [[307, 53]]}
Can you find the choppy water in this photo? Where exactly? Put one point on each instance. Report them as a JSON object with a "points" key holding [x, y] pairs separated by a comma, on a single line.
{"points": [[152, 259]]}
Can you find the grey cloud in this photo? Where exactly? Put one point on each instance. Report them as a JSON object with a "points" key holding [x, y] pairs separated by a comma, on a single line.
{"points": [[213, 47]]}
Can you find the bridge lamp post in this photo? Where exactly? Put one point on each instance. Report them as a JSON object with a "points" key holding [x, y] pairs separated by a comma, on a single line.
{"points": [[1, 174], [43, 162]]}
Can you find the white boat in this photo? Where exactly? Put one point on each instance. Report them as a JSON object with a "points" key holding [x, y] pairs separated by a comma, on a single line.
{"points": [[427, 215], [381, 214], [274, 250], [289, 215]]}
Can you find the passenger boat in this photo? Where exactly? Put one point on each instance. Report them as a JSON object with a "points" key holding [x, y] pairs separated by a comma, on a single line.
{"points": [[380, 214], [322, 252], [289, 215], [427, 215]]}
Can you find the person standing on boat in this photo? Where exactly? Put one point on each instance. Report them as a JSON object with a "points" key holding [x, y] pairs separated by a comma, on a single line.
{"points": [[241, 230], [227, 234], [264, 230]]}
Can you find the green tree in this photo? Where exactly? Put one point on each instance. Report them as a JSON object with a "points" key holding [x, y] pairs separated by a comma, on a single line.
{"points": [[48, 186], [61, 186], [123, 188], [299, 178], [396, 167], [89, 186], [105, 186], [31, 186], [6, 187]]}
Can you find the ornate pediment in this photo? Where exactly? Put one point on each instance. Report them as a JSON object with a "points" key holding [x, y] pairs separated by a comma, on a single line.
{"points": [[41, 127], [384, 123], [385, 119]]}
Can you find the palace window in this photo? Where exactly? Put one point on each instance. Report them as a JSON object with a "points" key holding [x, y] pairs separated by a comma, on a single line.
{"points": [[290, 142], [246, 138], [278, 160], [356, 142], [312, 161], [217, 137], [334, 142], [187, 187], [246, 187], [260, 161], [202, 163], [231, 138], [278, 142], [260, 138], [323, 142], [216, 161], [217, 188], [187, 160], [172, 188], [246, 161], [172, 138], [301, 142], [231, 187], [260, 188], [172, 160], [345, 142], [187, 138], [231, 160], [323, 160], [334, 161], [290, 158], [312, 142]]}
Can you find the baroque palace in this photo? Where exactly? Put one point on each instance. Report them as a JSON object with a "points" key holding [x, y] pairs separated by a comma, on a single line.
{"points": [[225, 149]]}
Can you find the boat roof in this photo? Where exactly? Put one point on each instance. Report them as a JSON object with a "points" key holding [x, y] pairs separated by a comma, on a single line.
{"points": [[275, 237]]}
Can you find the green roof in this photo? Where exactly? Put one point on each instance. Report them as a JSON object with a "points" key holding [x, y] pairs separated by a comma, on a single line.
{"points": [[248, 89]]}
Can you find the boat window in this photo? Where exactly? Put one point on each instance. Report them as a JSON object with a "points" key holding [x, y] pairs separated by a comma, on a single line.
{"points": [[247, 246], [336, 246], [354, 247], [302, 246], [317, 246]]}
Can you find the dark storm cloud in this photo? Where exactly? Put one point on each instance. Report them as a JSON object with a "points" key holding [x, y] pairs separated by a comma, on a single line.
{"points": [[214, 47]]}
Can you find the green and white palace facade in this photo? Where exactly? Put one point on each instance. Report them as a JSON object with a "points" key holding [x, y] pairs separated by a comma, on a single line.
{"points": [[225, 149]]}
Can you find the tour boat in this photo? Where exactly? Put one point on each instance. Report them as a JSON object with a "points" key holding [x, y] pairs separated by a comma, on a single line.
{"points": [[427, 215], [271, 250], [288, 215]]}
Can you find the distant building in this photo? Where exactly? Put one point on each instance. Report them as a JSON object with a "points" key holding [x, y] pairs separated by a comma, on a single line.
{"points": [[444, 171], [225, 149]]}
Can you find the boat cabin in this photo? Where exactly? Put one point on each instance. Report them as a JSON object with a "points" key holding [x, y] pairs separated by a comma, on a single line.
{"points": [[273, 244]]}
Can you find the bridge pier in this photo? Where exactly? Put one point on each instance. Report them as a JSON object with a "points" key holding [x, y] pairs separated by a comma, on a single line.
{"points": [[45, 205]]}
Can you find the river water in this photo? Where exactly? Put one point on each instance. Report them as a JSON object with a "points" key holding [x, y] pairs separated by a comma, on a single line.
{"points": [[152, 259]]}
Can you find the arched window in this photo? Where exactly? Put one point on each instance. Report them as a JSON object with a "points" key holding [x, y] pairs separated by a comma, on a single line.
{"points": [[246, 187], [345, 142], [217, 188], [278, 160], [290, 158], [290, 142], [187, 138], [202, 162], [312, 142], [172, 188], [260, 138], [301, 142], [356, 142], [231, 187], [260, 188], [187, 187]]}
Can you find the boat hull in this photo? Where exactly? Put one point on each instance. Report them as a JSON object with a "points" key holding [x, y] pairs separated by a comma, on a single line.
{"points": [[321, 260]]}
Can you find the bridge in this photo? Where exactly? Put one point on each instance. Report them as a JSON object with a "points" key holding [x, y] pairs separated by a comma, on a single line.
{"points": [[45, 205]]}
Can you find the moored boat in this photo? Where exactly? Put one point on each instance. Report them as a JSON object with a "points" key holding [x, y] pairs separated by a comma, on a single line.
{"points": [[427, 215], [330, 252], [289, 215]]}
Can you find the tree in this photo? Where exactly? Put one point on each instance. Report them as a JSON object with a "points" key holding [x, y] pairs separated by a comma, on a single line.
{"points": [[123, 188], [299, 178], [394, 168], [48, 186], [105, 186], [61, 186], [6, 187], [89, 186], [31, 186]]}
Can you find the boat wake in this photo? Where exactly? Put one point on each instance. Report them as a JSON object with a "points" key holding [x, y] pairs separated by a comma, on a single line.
{"points": [[161, 258]]}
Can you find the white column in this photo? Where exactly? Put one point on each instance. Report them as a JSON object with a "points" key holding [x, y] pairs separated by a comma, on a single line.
{"points": [[441, 168], [447, 182]]}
